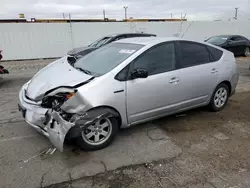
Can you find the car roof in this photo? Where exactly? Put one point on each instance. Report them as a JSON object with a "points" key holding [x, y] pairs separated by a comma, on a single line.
{"points": [[121, 34], [223, 36], [149, 40], [156, 40], [227, 36]]}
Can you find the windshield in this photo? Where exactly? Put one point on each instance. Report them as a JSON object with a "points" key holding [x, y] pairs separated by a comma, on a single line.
{"points": [[218, 40], [104, 59], [100, 42]]}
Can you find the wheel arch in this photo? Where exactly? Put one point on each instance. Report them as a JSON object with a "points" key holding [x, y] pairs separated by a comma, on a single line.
{"points": [[115, 111], [74, 132], [228, 84]]}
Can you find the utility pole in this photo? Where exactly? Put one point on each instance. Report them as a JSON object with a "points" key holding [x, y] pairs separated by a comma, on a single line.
{"points": [[71, 31], [236, 13], [125, 8], [171, 15], [104, 17], [63, 16]]}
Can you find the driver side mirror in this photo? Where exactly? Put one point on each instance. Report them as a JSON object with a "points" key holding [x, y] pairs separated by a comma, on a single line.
{"points": [[139, 73]]}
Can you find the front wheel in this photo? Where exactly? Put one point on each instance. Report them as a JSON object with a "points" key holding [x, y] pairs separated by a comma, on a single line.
{"points": [[99, 135], [247, 52], [219, 97]]}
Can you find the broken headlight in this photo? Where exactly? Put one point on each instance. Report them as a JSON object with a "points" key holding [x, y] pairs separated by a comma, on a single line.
{"points": [[57, 97]]}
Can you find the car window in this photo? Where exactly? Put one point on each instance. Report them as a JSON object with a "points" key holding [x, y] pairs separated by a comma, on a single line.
{"points": [[193, 54], [217, 40], [239, 38], [216, 53], [123, 74], [157, 60], [104, 59], [236, 38]]}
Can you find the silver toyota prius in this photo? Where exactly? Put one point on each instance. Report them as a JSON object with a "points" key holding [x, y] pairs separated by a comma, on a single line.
{"points": [[125, 83]]}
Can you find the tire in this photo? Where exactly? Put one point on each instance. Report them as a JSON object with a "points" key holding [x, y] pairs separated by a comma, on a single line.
{"points": [[88, 142], [247, 52], [219, 98]]}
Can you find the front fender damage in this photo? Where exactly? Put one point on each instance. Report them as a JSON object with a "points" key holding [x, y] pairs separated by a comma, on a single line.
{"points": [[58, 127]]}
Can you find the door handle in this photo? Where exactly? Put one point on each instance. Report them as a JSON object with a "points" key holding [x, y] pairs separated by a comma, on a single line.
{"points": [[214, 70], [174, 80]]}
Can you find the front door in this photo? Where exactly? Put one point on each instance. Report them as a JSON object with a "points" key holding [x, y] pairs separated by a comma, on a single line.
{"points": [[150, 97]]}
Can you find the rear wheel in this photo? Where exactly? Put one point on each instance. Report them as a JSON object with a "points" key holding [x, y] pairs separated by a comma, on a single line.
{"points": [[247, 52], [219, 97]]}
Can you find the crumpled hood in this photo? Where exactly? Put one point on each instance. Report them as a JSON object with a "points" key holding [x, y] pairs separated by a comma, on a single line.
{"points": [[56, 74]]}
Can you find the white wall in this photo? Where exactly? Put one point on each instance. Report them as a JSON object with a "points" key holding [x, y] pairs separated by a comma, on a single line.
{"points": [[45, 40]]}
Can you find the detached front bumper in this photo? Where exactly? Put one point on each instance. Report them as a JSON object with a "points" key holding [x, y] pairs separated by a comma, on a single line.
{"points": [[44, 120], [57, 129]]}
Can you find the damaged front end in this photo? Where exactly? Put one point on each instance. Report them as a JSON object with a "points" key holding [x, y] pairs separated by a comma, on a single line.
{"points": [[68, 113], [58, 127], [65, 108]]}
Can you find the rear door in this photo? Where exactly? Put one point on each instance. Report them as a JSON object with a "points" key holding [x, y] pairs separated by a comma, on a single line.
{"points": [[198, 73]]}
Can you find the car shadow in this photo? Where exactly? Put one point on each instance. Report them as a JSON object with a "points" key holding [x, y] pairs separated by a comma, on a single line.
{"points": [[170, 124]]}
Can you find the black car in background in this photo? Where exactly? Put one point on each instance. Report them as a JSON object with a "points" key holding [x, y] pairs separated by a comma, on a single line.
{"points": [[237, 44], [81, 51]]}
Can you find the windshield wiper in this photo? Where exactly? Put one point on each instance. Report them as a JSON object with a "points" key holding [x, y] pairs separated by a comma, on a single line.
{"points": [[84, 70]]}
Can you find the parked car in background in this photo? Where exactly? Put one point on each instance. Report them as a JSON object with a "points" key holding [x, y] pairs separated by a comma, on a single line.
{"points": [[237, 44], [124, 83], [81, 51]]}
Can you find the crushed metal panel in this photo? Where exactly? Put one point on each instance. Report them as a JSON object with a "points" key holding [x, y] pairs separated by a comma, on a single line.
{"points": [[57, 130], [76, 104], [94, 115]]}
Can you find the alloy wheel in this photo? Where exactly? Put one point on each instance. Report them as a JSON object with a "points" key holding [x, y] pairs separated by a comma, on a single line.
{"points": [[98, 133], [220, 97]]}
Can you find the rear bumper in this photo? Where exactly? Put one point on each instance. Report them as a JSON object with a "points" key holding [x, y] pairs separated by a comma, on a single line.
{"points": [[234, 82], [232, 93]]}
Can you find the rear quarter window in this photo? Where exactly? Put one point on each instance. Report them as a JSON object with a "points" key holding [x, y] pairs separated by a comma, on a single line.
{"points": [[216, 53]]}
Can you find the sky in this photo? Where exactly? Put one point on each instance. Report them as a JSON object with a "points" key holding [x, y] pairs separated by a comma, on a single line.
{"points": [[194, 9]]}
